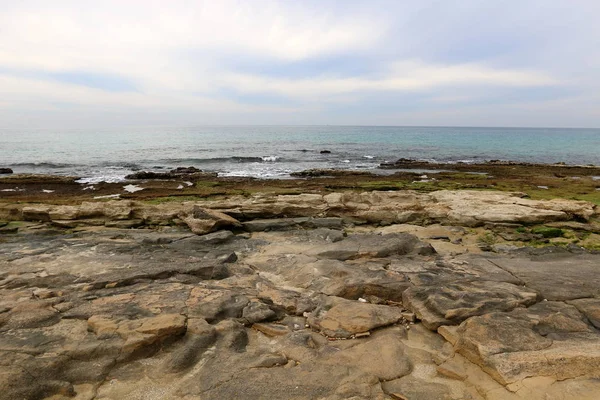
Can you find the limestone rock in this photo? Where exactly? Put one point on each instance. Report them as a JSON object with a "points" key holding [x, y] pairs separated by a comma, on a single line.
{"points": [[590, 308], [383, 357], [202, 221], [347, 318], [452, 303], [553, 340]]}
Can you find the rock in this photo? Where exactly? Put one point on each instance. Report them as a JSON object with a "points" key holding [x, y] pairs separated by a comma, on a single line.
{"points": [[416, 389], [5, 171], [125, 224], [452, 370], [383, 357], [36, 213], [199, 337], [270, 360], [452, 303], [557, 276], [163, 325], [590, 308], [325, 152], [177, 173], [271, 329], [318, 172], [203, 240], [347, 318], [257, 312], [467, 208], [64, 212], [283, 224], [7, 229], [215, 305], [359, 246], [553, 340], [139, 313], [202, 221], [232, 336]]}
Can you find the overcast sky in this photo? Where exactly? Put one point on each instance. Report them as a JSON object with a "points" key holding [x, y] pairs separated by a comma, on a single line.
{"points": [[463, 62]]}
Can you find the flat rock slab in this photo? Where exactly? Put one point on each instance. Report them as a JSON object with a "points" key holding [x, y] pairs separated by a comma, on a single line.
{"points": [[283, 224], [360, 246], [547, 339], [100, 312], [557, 277], [452, 303]]}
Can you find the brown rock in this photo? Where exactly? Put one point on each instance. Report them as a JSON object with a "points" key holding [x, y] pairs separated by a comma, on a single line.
{"points": [[348, 317], [202, 220]]}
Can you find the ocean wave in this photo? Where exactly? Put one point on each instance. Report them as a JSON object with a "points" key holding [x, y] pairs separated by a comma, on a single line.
{"points": [[271, 158], [232, 159], [121, 165], [43, 164]]}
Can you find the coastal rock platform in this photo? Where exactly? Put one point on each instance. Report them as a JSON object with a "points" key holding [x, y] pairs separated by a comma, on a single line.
{"points": [[374, 295]]}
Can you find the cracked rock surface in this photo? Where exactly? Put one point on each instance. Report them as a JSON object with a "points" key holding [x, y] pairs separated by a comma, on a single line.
{"points": [[299, 308]]}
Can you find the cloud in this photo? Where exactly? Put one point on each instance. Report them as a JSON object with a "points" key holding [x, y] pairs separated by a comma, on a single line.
{"points": [[402, 76], [268, 61]]}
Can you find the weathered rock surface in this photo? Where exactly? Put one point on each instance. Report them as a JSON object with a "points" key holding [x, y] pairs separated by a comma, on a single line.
{"points": [[202, 220], [450, 303], [548, 339], [297, 308], [466, 208], [346, 318]]}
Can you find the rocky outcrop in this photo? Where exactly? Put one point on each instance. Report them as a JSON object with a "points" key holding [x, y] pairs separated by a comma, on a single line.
{"points": [[313, 173], [177, 173], [465, 208], [202, 220], [547, 339], [308, 306], [5, 171]]}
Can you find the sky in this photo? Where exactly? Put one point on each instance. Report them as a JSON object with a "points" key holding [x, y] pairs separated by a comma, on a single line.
{"points": [[435, 63]]}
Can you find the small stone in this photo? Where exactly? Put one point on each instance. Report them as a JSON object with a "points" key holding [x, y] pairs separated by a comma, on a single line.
{"points": [[409, 316], [271, 329], [44, 293]]}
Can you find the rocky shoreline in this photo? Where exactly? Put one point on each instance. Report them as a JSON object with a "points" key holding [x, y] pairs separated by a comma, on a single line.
{"points": [[306, 289]]}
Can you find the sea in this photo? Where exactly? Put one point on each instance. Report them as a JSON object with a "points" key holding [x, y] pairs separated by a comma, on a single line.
{"points": [[273, 152]]}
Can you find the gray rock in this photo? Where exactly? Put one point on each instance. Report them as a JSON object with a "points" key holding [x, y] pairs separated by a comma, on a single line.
{"points": [[452, 303]]}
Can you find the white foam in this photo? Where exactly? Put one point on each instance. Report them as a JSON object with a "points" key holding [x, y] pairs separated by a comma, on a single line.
{"points": [[132, 188], [369, 157], [8, 190], [542, 187], [91, 187], [180, 187], [47, 191], [270, 158], [103, 178], [108, 196], [188, 183]]}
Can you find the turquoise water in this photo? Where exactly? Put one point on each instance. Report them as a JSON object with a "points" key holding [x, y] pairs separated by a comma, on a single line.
{"points": [[275, 151]]}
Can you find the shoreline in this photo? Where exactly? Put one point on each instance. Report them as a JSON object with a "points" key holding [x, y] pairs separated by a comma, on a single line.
{"points": [[539, 181]]}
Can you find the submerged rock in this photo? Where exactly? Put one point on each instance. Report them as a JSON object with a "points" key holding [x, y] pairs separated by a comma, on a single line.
{"points": [[177, 173]]}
